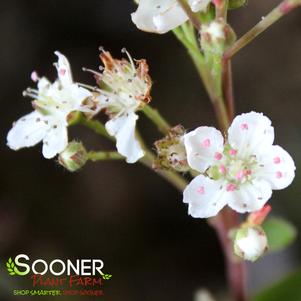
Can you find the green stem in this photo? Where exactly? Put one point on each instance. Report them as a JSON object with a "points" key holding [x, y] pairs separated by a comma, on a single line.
{"points": [[95, 126], [277, 13], [172, 177], [210, 86], [190, 34], [101, 156], [157, 119]]}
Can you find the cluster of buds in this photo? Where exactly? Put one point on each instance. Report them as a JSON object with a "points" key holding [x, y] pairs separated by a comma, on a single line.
{"points": [[171, 153], [250, 241]]}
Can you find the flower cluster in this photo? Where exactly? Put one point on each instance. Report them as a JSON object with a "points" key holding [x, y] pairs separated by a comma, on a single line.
{"points": [[239, 171], [124, 88]]}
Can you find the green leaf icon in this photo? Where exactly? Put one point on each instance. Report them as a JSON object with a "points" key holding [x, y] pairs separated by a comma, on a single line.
{"points": [[106, 276], [10, 265]]}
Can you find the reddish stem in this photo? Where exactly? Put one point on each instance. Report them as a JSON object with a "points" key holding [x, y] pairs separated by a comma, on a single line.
{"points": [[236, 270], [228, 87]]}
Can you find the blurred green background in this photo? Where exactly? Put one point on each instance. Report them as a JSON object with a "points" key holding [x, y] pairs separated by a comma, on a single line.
{"points": [[125, 214]]}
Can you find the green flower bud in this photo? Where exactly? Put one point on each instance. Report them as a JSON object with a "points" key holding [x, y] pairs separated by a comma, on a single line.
{"points": [[74, 156], [250, 243], [233, 4]]}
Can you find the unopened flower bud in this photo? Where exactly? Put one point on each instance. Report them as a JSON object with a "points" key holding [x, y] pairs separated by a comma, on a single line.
{"points": [[216, 36], [250, 243], [171, 151], [258, 217], [74, 156], [233, 4]]}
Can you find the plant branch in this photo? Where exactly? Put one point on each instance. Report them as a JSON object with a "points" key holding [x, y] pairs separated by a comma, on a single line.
{"points": [[277, 13], [220, 91], [226, 221], [227, 83], [200, 64], [101, 156], [157, 119], [95, 126], [172, 177]]}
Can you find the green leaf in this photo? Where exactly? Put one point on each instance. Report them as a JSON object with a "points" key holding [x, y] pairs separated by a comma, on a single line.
{"points": [[10, 260], [288, 289], [280, 233]]}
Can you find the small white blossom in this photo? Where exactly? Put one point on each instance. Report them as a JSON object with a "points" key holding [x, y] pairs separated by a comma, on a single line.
{"points": [[53, 102], [240, 173], [161, 16], [250, 243], [124, 89]]}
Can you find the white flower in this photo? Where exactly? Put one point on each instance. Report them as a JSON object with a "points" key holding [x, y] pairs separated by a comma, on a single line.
{"points": [[53, 102], [160, 16], [124, 89], [240, 173], [250, 243]]}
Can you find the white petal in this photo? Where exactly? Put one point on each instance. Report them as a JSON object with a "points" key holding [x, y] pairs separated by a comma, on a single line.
{"points": [[198, 5], [75, 95], [204, 196], [63, 69], [250, 196], [158, 16], [251, 133], [43, 85], [27, 131], [278, 167], [170, 18], [55, 141], [123, 129], [201, 145]]}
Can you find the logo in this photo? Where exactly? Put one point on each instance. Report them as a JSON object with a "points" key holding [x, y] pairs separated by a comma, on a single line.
{"points": [[59, 277]]}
